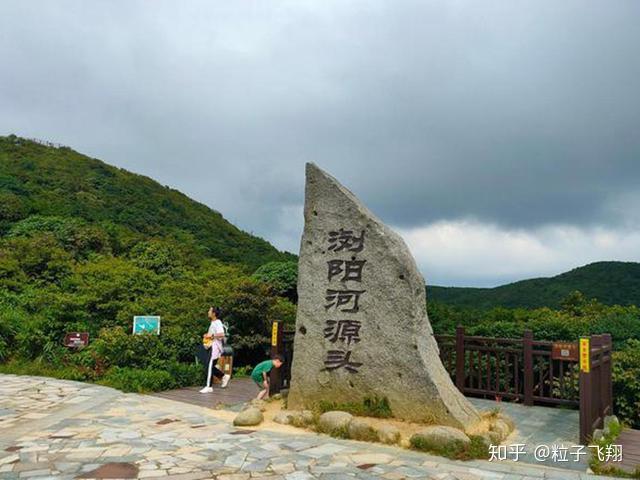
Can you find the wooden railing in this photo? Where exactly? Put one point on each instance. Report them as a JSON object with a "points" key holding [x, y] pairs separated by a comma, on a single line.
{"points": [[517, 369]]}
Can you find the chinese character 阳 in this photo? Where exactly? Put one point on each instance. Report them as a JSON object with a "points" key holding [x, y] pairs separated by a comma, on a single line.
{"points": [[349, 269]]}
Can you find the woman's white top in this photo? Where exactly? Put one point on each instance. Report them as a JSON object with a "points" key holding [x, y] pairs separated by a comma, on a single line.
{"points": [[216, 328]]}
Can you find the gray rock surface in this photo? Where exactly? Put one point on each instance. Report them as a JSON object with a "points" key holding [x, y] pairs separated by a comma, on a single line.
{"points": [[501, 428], [388, 434], [610, 420], [249, 417], [441, 437], [283, 417], [360, 430], [368, 277], [298, 418], [332, 421], [598, 434]]}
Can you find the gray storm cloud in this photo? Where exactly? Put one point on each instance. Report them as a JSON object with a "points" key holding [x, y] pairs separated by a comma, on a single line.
{"points": [[519, 115]]}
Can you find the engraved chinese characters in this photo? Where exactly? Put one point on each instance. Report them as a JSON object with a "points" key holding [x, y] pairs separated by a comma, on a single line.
{"points": [[343, 301], [361, 323]]}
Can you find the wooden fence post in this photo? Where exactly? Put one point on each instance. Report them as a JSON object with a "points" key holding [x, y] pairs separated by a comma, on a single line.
{"points": [[275, 377], [527, 344], [460, 357], [607, 372], [586, 420]]}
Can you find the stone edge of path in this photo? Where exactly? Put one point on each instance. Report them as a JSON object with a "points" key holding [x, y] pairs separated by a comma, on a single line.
{"points": [[501, 468], [61, 411], [8, 436]]}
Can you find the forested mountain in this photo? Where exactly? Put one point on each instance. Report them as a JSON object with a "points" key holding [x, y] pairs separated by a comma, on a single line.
{"points": [[86, 247], [57, 182], [611, 283]]}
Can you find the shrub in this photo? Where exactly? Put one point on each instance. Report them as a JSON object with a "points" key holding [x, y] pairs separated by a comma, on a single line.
{"points": [[456, 450], [626, 383], [138, 380]]}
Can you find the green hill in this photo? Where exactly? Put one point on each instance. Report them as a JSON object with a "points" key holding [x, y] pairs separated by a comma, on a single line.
{"points": [[612, 283], [48, 181]]}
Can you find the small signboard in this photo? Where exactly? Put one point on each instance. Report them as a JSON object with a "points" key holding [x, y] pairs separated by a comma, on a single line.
{"points": [[274, 334], [76, 339], [565, 351], [146, 324], [585, 357]]}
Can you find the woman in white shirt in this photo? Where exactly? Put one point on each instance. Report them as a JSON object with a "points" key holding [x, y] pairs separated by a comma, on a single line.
{"points": [[212, 341]]}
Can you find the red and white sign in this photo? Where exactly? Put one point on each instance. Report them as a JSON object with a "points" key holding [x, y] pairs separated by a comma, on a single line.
{"points": [[76, 339]]}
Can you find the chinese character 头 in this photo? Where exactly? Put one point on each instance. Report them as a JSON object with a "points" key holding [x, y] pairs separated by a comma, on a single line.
{"points": [[341, 359]]}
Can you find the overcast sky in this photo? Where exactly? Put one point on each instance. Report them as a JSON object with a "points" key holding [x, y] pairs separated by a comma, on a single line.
{"points": [[501, 138]]}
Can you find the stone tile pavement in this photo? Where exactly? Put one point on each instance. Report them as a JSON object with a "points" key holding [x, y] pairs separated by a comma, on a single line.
{"points": [[85, 431], [542, 426]]}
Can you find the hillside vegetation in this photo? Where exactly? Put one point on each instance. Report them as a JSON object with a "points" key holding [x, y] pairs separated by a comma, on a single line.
{"points": [[611, 283], [85, 247], [58, 182]]}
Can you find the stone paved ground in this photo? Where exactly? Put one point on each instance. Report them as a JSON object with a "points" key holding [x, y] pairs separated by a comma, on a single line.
{"points": [[541, 426], [84, 431]]}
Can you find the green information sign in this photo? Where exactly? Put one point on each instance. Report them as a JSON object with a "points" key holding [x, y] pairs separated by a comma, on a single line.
{"points": [[146, 324]]}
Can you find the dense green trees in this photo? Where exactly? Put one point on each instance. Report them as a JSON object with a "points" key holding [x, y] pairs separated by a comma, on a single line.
{"points": [[66, 188], [85, 247], [51, 284], [612, 283]]}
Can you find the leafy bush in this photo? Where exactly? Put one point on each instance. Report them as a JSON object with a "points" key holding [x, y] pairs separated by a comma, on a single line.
{"points": [[282, 276], [626, 384], [138, 380], [456, 450]]}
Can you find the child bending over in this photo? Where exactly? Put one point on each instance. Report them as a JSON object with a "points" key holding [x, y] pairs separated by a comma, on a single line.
{"points": [[260, 375]]}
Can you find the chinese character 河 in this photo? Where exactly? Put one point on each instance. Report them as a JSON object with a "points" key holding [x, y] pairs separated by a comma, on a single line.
{"points": [[339, 298]]}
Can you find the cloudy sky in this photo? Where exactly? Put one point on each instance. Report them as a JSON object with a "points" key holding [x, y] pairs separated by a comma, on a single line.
{"points": [[501, 138]]}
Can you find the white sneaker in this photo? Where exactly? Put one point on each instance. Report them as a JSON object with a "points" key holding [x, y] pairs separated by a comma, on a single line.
{"points": [[225, 381], [206, 390]]}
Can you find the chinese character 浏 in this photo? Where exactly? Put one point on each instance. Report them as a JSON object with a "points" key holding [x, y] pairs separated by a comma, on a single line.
{"points": [[345, 240]]}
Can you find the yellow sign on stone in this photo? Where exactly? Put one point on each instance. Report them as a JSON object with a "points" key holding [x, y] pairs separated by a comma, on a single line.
{"points": [[585, 357], [274, 334]]}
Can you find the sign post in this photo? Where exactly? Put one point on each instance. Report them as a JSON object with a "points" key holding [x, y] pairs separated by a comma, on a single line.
{"points": [[275, 376], [586, 391], [76, 339], [565, 351], [585, 357], [146, 324]]}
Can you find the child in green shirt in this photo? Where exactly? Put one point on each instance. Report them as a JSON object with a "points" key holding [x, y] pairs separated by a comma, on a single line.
{"points": [[260, 374]]}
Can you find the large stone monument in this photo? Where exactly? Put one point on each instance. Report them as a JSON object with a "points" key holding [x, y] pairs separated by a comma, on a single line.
{"points": [[362, 328]]}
